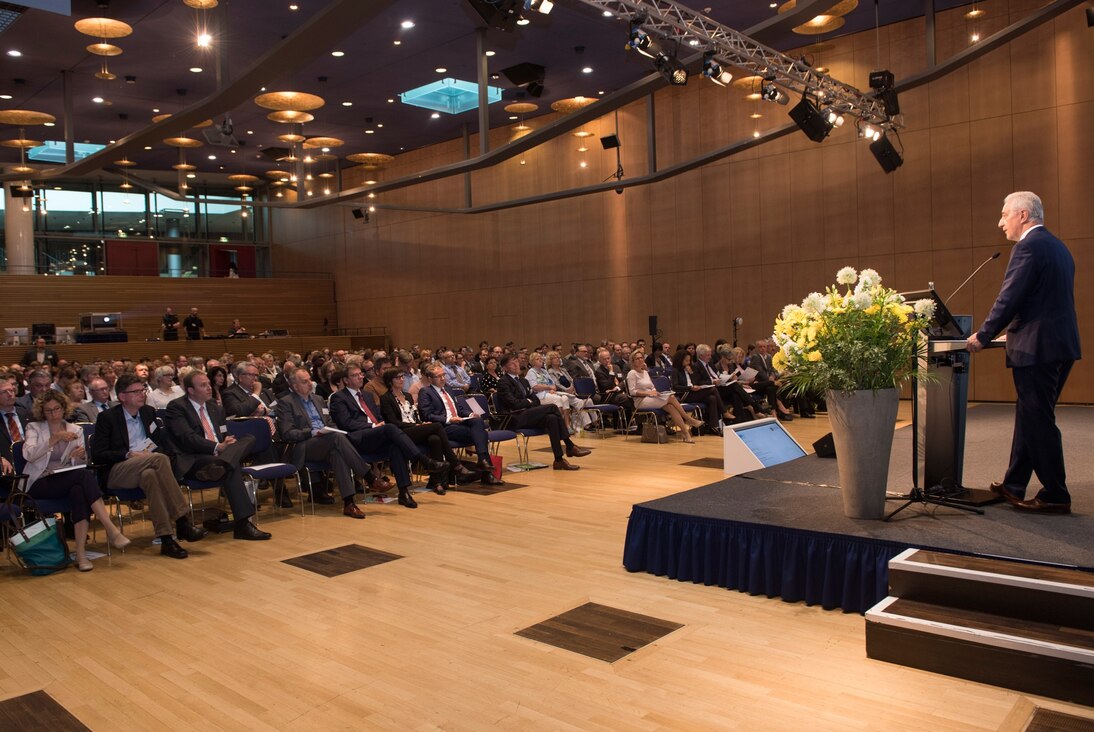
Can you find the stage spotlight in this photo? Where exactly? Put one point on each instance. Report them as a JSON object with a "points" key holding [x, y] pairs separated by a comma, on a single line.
{"points": [[713, 70], [771, 93], [871, 133], [671, 68], [814, 124], [886, 155], [834, 117], [543, 6], [640, 41]]}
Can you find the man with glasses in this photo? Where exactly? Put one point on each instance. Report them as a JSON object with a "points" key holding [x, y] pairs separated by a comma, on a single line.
{"points": [[100, 401], [515, 398], [132, 447], [246, 398], [455, 374], [37, 383], [435, 404], [579, 365]]}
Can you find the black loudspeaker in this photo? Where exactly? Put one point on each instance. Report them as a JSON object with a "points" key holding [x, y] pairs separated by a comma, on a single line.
{"points": [[825, 447], [524, 73], [358, 213], [501, 14], [653, 326], [886, 154], [609, 142], [1090, 17]]}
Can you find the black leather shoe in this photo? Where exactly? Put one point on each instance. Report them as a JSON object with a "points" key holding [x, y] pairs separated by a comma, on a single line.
{"points": [[485, 465], [1013, 495], [1036, 505], [405, 499], [171, 548], [561, 464], [430, 465], [490, 479], [576, 451], [459, 471], [186, 530], [439, 489], [785, 417], [249, 532], [282, 500]]}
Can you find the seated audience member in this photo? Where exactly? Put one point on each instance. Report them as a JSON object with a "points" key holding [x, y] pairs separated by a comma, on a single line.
{"points": [[455, 374], [356, 413], [397, 408], [611, 386], [77, 395], [13, 422], [488, 382], [477, 364], [641, 388], [375, 383], [324, 375], [515, 398], [52, 444], [140, 370], [237, 330], [65, 375], [133, 449], [100, 402], [565, 383], [689, 390], [166, 390], [37, 384], [109, 375], [731, 392], [40, 353], [579, 364], [301, 419], [546, 390], [218, 378], [438, 406], [659, 361], [767, 380], [280, 383], [205, 451]]}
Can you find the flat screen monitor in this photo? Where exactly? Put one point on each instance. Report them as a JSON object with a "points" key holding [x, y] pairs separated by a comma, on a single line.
{"points": [[944, 324], [66, 334], [17, 336], [758, 444]]}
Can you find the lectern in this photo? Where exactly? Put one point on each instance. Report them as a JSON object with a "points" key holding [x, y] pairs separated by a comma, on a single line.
{"points": [[941, 406]]}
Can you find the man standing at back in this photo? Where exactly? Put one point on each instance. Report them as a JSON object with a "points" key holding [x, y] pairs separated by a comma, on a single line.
{"points": [[1036, 306]]}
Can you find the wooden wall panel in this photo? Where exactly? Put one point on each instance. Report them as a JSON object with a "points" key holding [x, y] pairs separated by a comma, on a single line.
{"points": [[746, 234]]}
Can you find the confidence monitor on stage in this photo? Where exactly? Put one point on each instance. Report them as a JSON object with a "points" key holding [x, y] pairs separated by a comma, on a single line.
{"points": [[758, 444], [943, 324]]}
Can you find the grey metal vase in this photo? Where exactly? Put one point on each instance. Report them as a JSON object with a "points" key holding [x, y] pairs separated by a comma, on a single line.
{"points": [[862, 428]]}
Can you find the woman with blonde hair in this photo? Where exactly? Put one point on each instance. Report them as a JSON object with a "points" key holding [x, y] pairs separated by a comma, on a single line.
{"points": [[52, 445], [645, 396]]}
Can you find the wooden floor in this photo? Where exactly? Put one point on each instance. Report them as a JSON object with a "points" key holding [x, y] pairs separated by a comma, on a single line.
{"points": [[234, 638]]}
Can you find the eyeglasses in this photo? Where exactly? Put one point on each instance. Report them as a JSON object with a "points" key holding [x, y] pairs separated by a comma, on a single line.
{"points": [[133, 391], [52, 410]]}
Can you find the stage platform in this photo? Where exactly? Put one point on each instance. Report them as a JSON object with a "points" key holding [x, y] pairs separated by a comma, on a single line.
{"points": [[781, 531]]}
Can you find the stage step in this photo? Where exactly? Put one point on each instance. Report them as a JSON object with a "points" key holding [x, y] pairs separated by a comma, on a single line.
{"points": [[1039, 593], [1020, 626]]}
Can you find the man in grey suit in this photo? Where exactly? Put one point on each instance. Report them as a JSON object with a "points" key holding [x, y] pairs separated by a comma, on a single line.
{"points": [[1036, 306], [100, 401], [301, 417], [37, 383]]}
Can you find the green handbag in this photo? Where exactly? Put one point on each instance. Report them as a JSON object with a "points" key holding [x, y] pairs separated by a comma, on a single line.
{"points": [[40, 547]]}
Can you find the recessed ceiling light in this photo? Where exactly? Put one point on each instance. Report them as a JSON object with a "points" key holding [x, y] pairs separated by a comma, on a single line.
{"points": [[196, 69], [370, 132], [600, 93], [294, 6], [441, 70], [379, 124], [49, 124], [15, 53], [513, 116], [756, 133], [111, 142], [147, 147], [97, 100], [490, 53], [390, 101], [587, 70], [212, 157], [523, 21], [250, 132], [407, 24], [191, 176], [397, 42], [5, 96], [338, 54], [974, 13], [155, 110], [435, 115], [347, 104]]}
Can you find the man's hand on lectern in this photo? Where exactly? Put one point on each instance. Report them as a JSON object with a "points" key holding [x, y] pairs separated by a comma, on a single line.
{"points": [[973, 344]]}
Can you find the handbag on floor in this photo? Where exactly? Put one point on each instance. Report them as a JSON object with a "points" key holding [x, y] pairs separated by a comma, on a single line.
{"points": [[654, 433], [40, 547]]}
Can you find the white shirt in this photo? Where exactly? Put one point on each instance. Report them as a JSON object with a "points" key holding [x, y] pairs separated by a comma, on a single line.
{"points": [[1035, 226], [445, 399]]}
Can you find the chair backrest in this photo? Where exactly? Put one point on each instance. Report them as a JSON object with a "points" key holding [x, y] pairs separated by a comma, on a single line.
{"points": [[584, 386], [257, 428], [473, 385], [661, 383], [17, 460], [479, 399]]}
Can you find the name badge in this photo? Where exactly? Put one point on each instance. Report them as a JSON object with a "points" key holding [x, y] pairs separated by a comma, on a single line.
{"points": [[153, 427], [326, 411], [273, 403], [223, 428]]}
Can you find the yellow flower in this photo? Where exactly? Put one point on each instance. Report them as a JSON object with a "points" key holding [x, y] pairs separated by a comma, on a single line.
{"points": [[778, 361], [813, 356], [873, 309]]}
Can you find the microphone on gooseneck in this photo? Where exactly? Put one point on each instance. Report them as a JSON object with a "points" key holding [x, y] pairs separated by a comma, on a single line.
{"points": [[994, 256]]}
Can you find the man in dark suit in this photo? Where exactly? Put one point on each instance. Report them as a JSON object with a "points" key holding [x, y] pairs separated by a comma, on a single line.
{"points": [[610, 385], [41, 354], [579, 365], [435, 404], [301, 419], [515, 398], [37, 383], [1036, 306], [355, 412], [13, 422], [205, 451], [133, 449], [243, 399]]}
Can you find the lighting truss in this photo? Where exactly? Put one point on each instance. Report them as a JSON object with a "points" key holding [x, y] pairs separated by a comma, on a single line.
{"points": [[675, 22]]}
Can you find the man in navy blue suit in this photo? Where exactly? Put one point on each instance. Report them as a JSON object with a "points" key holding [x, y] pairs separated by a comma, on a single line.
{"points": [[435, 404], [1036, 305]]}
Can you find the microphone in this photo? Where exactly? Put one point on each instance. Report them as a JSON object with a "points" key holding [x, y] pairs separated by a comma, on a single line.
{"points": [[994, 256]]}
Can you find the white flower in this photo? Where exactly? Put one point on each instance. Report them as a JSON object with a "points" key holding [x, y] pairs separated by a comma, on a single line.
{"points": [[814, 303], [789, 311], [862, 300], [869, 278], [924, 308], [846, 276]]}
